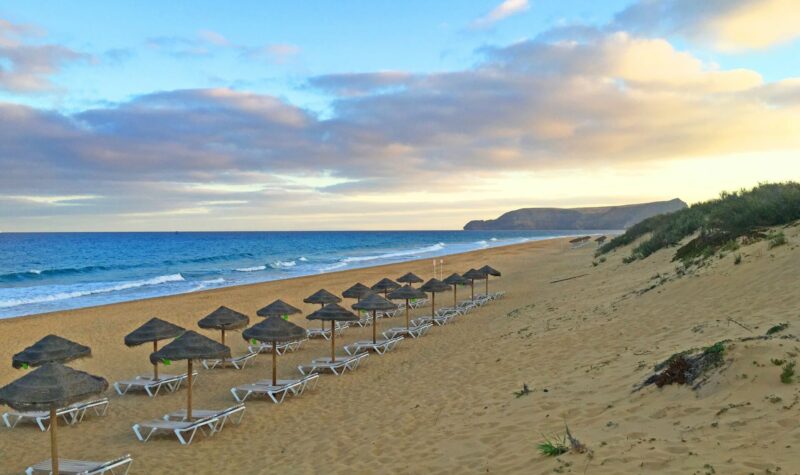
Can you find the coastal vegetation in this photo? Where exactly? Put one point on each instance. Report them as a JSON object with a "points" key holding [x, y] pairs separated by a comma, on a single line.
{"points": [[715, 225]]}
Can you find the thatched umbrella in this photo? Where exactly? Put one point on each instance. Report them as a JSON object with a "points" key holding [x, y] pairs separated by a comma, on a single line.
{"points": [[190, 346], [154, 331], [49, 388], [278, 308], [410, 278], [374, 302], [274, 330], [323, 298], [434, 286], [473, 275], [487, 271], [385, 285], [50, 349], [455, 280], [333, 313], [407, 293], [357, 291], [223, 319]]}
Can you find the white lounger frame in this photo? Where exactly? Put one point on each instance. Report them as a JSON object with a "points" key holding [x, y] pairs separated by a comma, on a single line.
{"points": [[380, 347], [238, 362], [119, 466], [179, 428], [221, 416], [70, 414], [414, 331], [277, 393], [337, 368], [280, 349], [153, 386]]}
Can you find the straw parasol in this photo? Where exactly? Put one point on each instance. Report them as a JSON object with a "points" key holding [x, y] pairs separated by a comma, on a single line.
{"points": [[190, 346], [374, 302], [487, 271], [153, 331], [50, 349], [407, 293], [455, 280], [434, 286], [357, 291], [333, 313], [278, 308], [410, 278], [385, 285], [223, 319], [473, 275], [274, 330], [49, 388], [322, 297]]}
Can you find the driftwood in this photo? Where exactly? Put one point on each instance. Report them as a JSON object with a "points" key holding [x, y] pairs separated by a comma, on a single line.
{"points": [[686, 367], [568, 278]]}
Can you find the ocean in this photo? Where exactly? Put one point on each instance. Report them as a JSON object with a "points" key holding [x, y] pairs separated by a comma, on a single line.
{"points": [[45, 272]]}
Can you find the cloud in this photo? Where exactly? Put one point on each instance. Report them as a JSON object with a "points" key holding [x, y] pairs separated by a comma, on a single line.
{"points": [[26, 66], [565, 101], [279, 53], [504, 10], [728, 25]]}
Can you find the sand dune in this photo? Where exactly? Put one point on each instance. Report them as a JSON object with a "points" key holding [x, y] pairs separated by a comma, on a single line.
{"points": [[445, 403]]}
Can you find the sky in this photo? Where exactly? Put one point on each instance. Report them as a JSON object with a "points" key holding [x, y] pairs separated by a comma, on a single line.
{"points": [[252, 115]]}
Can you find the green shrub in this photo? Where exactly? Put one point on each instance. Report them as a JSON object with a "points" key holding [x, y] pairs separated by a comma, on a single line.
{"points": [[553, 447], [787, 375], [719, 222], [776, 239], [737, 259]]}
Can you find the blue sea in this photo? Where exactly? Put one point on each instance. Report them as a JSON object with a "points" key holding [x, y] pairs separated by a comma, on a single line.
{"points": [[44, 272]]}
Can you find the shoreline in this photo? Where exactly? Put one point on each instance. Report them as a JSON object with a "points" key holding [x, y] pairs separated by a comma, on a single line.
{"points": [[285, 279]]}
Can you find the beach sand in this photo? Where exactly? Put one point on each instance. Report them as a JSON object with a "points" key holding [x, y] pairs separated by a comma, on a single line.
{"points": [[445, 403]]}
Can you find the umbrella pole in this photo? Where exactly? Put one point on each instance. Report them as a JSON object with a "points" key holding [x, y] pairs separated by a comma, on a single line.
{"points": [[487, 285], [472, 289], [374, 330], [407, 325], [274, 359], [433, 306], [53, 442], [155, 365], [455, 298], [223, 336], [189, 394], [333, 344]]}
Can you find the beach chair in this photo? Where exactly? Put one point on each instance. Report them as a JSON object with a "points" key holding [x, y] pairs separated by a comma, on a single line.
{"points": [[380, 347], [326, 334], [183, 430], [439, 320], [414, 332], [118, 466], [153, 386], [238, 362], [280, 349], [277, 392], [98, 406], [234, 413], [41, 418], [337, 368]]}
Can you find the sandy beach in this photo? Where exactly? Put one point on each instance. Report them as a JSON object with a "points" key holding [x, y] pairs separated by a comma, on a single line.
{"points": [[445, 403]]}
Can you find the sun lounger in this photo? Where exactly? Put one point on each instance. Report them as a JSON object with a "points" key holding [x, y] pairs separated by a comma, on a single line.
{"points": [[183, 430], [238, 362], [337, 368], [119, 466], [440, 320], [417, 303], [153, 386], [98, 406], [380, 347], [280, 349], [278, 392], [222, 416], [320, 333], [41, 418], [414, 332]]}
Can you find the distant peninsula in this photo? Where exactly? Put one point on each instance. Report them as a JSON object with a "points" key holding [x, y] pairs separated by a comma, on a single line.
{"points": [[603, 217]]}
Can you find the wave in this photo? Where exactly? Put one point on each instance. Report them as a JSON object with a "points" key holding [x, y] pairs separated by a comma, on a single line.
{"points": [[493, 239], [482, 243], [302, 259], [283, 264], [389, 255], [208, 283], [251, 269], [62, 271], [90, 289]]}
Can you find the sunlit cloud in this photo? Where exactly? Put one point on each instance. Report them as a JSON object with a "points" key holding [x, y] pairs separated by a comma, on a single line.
{"points": [[501, 12]]}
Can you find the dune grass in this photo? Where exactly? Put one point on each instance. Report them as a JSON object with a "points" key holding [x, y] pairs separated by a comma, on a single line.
{"points": [[719, 223]]}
